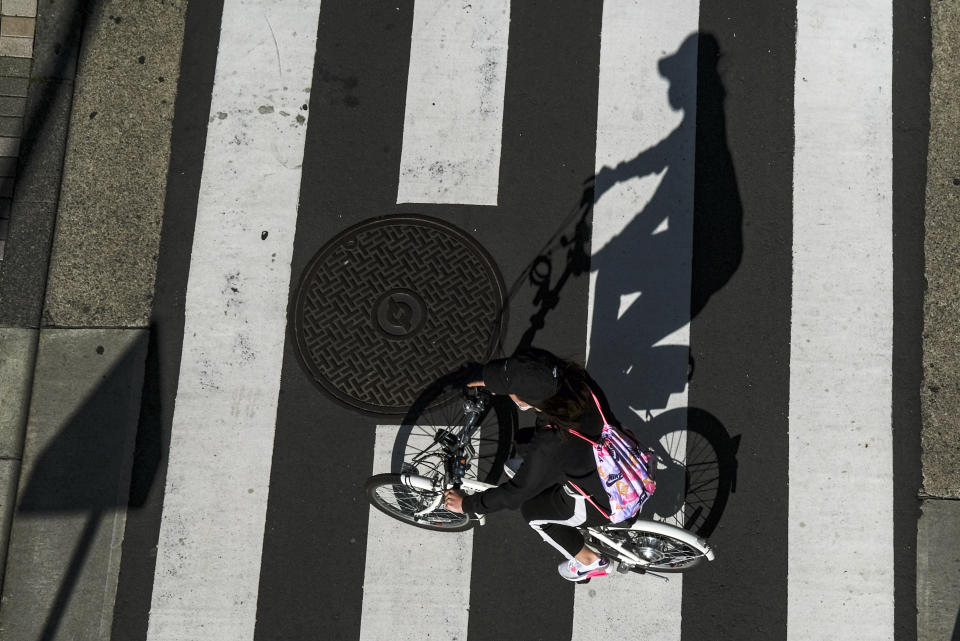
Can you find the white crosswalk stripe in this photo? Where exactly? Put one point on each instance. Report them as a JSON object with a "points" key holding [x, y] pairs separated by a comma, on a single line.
{"points": [[454, 109], [842, 338], [641, 108], [211, 537], [397, 602]]}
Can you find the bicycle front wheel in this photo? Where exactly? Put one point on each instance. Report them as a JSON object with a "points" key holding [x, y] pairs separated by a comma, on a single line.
{"points": [[389, 495], [437, 415]]}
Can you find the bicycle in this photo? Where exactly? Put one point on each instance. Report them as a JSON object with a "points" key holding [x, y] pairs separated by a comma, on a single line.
{"points": [[456, 454]]}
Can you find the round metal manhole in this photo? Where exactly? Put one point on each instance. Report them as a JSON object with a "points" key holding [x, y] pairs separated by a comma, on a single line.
{"points": [[391, 305]]}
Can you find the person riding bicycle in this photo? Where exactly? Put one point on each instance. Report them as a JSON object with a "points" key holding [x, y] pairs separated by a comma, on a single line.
{"points": [[559, 392]]}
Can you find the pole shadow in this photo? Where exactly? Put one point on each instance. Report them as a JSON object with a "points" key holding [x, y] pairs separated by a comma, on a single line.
{"points": [[86, 469]]}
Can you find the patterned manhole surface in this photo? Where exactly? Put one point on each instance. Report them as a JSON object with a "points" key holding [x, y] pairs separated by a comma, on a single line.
{"points": [[392, 304]]}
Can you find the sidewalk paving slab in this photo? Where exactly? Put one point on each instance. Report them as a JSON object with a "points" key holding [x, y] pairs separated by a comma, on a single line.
{"points": [[18, 349], [938, 571], [67, 530], [115, 169]]}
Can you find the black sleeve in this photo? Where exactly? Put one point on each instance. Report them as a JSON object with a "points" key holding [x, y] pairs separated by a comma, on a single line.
{"points": [[539, 471]]}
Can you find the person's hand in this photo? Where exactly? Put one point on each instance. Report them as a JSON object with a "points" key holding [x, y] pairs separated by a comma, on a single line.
{"points": [[475, 384], [453, 501]]}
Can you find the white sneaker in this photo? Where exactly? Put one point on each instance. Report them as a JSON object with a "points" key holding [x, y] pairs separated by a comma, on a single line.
{"points": [[576, 571]]}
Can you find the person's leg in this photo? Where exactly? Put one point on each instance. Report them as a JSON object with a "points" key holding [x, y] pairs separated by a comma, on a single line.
{"points": [[555, 516], [586, 556]]}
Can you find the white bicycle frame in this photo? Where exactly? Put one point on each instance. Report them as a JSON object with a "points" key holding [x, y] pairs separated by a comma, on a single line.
{"points": [[599, 533]]}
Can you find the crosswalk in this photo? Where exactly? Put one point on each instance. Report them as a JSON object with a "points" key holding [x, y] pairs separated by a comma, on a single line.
{"points": [[742, 229]]}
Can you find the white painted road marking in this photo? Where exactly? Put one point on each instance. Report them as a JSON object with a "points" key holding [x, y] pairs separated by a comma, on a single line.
{"points": [[840, 560], [454, 111], [635, 116], [211, 535], [415, 582]]}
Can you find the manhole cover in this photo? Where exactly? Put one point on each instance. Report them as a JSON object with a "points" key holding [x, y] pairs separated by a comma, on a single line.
{"points": [[392, 304]]}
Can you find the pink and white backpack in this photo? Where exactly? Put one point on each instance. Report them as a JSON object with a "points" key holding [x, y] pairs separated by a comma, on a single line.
{"points": [[625, 468]]}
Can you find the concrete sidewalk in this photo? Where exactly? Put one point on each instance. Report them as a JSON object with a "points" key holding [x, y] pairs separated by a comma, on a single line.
{"points": [[77, 275], [80, 238]]}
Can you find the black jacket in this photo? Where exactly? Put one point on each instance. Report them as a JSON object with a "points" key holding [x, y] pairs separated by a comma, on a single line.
{"points": [[552, 459]]}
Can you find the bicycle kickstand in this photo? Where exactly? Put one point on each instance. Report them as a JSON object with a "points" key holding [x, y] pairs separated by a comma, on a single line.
{"points": [[654, 574]]}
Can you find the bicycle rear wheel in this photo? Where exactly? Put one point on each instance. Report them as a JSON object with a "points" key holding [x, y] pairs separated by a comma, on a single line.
{"points": [[660, 551], [389, 495]]}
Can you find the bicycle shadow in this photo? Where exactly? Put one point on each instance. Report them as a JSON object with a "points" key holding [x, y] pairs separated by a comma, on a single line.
{"points": [[693, 492]]}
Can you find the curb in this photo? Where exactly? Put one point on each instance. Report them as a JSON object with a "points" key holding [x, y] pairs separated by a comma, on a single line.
{"points": [[18, 27]]}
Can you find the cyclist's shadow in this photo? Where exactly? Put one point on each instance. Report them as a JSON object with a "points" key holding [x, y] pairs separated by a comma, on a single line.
{"points": [[661, 268], [657, 273]]}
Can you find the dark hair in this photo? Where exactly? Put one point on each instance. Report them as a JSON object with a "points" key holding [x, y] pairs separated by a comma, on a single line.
{"points": [[566, 407]]}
